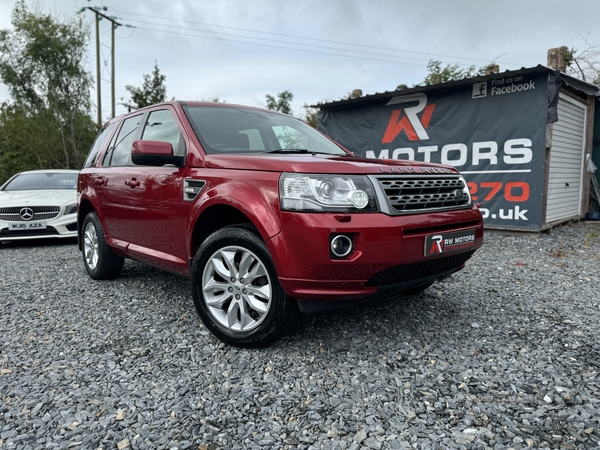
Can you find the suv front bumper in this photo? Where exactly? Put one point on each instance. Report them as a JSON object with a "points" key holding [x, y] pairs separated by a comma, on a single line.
{"points": [[388, 256]]}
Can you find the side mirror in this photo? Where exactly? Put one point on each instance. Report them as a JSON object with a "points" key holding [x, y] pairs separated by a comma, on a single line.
{"points": [[154, 153]]}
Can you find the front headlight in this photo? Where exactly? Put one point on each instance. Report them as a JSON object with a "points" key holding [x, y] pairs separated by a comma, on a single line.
{"points": [[71, 209], [316, 192]]}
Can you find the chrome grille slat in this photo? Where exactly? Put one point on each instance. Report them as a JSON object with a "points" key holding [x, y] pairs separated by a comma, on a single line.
{"points": [[406, 194], [12, 214]]}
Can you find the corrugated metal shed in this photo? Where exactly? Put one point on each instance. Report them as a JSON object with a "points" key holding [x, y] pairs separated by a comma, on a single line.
{"points": [[573, 83], [565, 183], [568, 135]]}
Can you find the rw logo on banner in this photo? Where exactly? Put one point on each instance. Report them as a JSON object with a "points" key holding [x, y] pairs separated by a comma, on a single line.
{"points": [[410, 123]]}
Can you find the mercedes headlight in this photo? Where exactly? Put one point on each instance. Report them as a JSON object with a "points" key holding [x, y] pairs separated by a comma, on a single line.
{"points": [[71, 209], [316, 192]]}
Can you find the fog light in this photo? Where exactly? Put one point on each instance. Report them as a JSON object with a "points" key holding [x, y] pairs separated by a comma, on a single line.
{"points": [[341, 246]]}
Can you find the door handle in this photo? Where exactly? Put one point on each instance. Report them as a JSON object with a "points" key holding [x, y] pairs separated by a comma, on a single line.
{"points": [[100, 181], [132, 183]]}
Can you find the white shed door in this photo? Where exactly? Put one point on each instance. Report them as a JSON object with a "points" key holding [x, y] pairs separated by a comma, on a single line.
{"points": [[565, 182]]}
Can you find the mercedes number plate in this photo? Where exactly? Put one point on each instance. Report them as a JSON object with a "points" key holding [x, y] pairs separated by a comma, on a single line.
{"points": [[443, 243], [27, 226]]}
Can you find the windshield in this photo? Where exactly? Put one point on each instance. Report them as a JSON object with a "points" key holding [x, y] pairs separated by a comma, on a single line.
{"points": [[240, 130], [41, 180]]}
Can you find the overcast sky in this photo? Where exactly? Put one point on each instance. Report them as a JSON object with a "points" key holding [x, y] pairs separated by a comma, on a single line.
{"points": [[241, 50]]}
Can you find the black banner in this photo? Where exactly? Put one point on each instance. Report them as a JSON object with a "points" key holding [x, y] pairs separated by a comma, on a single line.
{"points": [[493, 131]]}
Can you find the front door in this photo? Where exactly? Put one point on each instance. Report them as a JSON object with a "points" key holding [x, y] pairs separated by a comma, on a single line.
{"points": [[154, 196]]}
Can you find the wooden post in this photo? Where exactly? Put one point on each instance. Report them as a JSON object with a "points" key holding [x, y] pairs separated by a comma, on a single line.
{"points": [[556, 58], [492, 68]]}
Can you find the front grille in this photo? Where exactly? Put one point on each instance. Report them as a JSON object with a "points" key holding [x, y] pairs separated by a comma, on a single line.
{"points": [[414, 271], [409, 194], [48, 231], [13, 214]]}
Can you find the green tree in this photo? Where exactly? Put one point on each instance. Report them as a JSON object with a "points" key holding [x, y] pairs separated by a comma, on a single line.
{"points": [[20, 142], [42, 62], [281, 103], [583, 64], [153, 89], [214, 99], [311, 116], [438, 74]]}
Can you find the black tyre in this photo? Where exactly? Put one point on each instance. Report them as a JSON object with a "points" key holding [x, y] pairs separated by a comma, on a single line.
{"points": [[100, 261], [237, 292]]}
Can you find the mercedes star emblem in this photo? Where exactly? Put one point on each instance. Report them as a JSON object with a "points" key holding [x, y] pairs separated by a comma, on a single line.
{"points": [[26, 213]]}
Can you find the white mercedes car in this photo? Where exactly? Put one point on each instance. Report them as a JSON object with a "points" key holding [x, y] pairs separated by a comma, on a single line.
{"points": [[39, 204]]}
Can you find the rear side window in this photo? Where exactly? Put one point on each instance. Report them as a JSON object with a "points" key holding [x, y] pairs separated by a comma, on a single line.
{"points": [[121, 153], [161, 126], [98, 145]]}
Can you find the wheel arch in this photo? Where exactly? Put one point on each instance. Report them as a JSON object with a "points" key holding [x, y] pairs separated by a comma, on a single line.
{"points": [[218, 216], [85, 207]]}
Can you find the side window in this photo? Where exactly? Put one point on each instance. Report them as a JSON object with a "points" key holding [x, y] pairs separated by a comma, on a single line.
{"points": [[289, 138], [121, 154], [161, 126], [98, 145]]}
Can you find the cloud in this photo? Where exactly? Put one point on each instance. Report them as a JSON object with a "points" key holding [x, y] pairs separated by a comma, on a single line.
{"points": [[241, 50]]}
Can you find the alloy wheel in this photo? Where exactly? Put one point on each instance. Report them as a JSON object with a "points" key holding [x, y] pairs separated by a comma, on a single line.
{"points": [[90, 245], [237, 289]]}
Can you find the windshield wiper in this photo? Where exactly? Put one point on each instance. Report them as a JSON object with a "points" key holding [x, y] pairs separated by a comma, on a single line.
{"points": [[290, 150], [299, 150]]}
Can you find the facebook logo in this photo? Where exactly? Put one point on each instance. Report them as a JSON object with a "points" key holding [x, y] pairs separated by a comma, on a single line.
{"points": [[480, 90]]}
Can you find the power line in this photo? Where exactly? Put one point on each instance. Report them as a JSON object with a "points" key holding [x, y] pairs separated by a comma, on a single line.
{"points": [[280, 47], [274, 40], [303, 38]]}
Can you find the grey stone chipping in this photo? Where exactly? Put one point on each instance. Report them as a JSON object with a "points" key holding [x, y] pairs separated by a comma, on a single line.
{"points": [[503, 355]]}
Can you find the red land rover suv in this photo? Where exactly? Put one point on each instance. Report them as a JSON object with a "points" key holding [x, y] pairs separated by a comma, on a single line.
{"points": [[268, 217]]}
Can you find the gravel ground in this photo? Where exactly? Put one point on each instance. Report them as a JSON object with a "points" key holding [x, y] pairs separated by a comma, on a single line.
{"points": [[505, 354]]}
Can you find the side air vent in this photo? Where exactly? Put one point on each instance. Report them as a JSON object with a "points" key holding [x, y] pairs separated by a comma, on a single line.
{"points": [[191, 189]]}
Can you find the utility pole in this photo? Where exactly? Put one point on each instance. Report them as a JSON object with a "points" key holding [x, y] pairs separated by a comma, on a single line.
{"points": [[112, 68], [114, 24], [98, 84]]}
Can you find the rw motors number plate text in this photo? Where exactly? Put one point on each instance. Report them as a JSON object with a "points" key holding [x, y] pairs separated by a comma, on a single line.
{"points": [[452, 242]]}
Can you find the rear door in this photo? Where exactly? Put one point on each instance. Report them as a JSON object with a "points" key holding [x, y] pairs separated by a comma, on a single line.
{"points": [[109, 186]]}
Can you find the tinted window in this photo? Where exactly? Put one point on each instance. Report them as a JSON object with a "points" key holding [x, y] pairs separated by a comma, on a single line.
{"points": [[161, 126], [40, 180], [121, 154], [98, 145], [239, 130]]}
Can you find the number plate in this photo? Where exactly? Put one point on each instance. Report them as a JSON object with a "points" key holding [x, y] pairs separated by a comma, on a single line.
{"points": [[27, 226], [443, 243]]}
